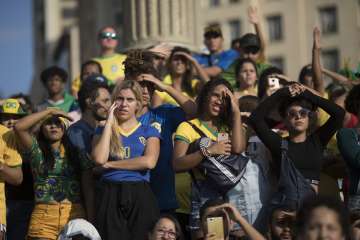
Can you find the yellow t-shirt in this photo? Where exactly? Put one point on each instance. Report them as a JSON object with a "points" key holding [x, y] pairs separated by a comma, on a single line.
{"points": [[166, 98], [10, 157], [76, 84], [187, 134], [112, 66], [253, 92]]}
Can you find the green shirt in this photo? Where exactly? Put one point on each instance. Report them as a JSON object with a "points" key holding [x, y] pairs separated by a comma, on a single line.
{"points": [[68, 104], [230, 75], [62, 181]]}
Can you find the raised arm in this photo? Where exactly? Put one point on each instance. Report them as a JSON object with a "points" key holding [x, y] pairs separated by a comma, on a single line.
{"points": [[23, 126], [184, 101], [101, 144], [316, 67], [257, 120], [235, 215], [326, 131], [238, 142], [336, 77], [203, 76], [145, 162], [255, 20]]}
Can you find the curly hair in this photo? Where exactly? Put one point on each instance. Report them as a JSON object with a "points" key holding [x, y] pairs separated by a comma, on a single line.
{"points": [[139, 61], [352, 102]]}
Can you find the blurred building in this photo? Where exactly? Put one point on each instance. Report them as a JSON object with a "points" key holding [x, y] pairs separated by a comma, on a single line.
{"points": [[65, 31], [56, 40], [288, 27]]}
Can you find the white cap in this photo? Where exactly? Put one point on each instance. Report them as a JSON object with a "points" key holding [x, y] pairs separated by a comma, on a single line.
{"points": [[79, 227]]}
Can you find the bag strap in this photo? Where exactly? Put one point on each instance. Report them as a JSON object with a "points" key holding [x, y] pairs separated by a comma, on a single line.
{"points": [[196, 129], [191, 172]]}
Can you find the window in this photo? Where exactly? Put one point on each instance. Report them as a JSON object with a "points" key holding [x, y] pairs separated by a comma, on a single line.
{"points": [[277, 62], [235, 29], [328, 20], [214, 3], [330, 59], [275, 28], [234, 1]]}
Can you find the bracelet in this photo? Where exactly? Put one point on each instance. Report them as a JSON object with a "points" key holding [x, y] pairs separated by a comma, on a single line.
{"points": [[205, 152]]}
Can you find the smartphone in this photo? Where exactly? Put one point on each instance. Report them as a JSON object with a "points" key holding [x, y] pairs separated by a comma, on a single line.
{"points": [[274, 83], [216, 225], [222, 137]]}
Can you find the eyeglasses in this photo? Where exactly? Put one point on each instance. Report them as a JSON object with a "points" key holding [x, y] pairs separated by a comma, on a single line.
{"points": [[108, 35], [171, 234], [252, 50], [302, 113]]}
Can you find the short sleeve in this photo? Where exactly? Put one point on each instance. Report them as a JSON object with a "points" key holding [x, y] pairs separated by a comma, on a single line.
{"points": [[11, 155], [34, 153], [152, 132], [185, 133]]}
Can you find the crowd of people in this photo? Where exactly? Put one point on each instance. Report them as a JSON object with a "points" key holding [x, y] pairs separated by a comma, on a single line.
{"points": [[164, 143]]}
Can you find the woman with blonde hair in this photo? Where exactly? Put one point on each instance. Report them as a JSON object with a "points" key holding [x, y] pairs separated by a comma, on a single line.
{"points": [[127, 150]]}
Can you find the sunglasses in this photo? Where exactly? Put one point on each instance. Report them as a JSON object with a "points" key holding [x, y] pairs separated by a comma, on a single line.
{"points": [[108, 35], [302, 113], [252, 50]]}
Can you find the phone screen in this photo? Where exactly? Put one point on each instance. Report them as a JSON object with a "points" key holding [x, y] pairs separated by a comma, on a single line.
{"points": [[273, 83], [216, 225], [222, 137]]}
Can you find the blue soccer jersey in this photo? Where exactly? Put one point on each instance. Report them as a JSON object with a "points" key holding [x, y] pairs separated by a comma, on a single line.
{"points": [[133, 144], [165, 119]]}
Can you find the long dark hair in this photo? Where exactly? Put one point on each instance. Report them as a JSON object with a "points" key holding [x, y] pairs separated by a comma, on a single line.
{"points": [[203, 100], [188, 76], [71, 152]]}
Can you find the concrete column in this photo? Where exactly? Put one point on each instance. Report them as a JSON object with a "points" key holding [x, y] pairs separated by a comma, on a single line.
{"points": [[153, 21]]}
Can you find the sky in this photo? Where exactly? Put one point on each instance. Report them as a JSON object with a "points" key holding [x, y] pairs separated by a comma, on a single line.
{"points": [[16, 46]]}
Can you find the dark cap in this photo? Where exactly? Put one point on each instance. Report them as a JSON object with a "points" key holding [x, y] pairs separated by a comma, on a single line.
{"points": [[250, 40], [96, 78], [213, 30], [53, 71]]}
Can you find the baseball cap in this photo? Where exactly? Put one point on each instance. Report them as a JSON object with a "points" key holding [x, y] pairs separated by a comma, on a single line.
{"points": [[250, 40], [79, 227], [213, 30], [12, 106], [96, 78]]}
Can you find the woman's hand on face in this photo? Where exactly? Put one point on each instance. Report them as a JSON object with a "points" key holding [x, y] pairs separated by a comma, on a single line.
{"points": [[110, 118], [186, 55], [60, 113], [233, 101], [220, 148], [150, 78]]}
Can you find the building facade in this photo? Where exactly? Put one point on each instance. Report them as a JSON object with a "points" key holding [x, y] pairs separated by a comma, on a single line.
{"points": [[65, 31]]}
